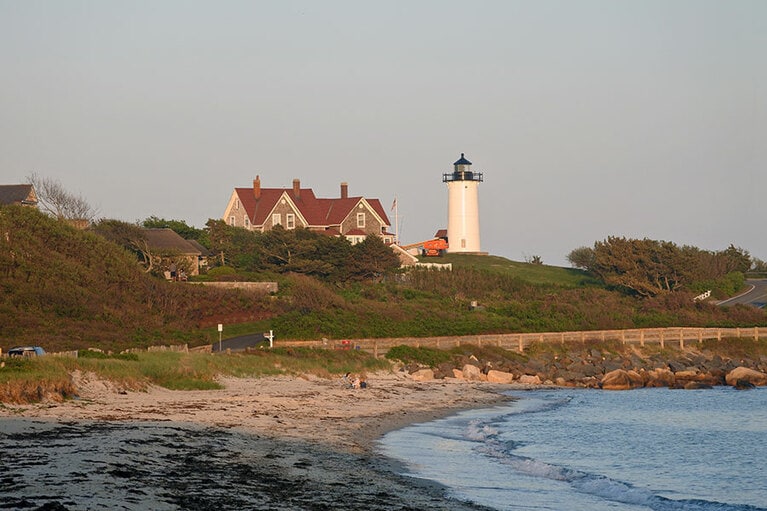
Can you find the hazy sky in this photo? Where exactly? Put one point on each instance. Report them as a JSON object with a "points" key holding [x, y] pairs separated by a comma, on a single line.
{"points": [[588, 118]]}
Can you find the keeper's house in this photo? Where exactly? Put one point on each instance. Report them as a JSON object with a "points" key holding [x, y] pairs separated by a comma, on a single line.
{"points": [[261, 209]]}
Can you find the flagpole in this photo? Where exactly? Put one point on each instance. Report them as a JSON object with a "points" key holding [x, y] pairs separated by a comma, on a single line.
{"points": [[396, 220]]}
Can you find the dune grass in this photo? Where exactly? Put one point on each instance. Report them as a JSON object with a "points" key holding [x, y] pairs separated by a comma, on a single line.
{"points": [[25, 380]]}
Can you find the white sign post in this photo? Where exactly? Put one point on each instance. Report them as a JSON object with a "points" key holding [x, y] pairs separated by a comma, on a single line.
{"points": [[270, 335], [220, 329]]}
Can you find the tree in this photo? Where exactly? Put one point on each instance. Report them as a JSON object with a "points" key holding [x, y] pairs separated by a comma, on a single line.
{"points": [[646, 267], [371, 259], [582, 257], [737, 259], [127, 235], [56, 201]]}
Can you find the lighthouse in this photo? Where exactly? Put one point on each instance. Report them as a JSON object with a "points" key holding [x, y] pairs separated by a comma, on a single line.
{"points": [[463, 207]]}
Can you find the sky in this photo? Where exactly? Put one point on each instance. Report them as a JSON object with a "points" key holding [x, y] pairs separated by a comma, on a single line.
{"points": [[588, 119]]}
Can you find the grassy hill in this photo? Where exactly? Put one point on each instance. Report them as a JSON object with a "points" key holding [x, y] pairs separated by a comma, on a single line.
{"points": [[68, 289], [63, 288], [532, 273]]}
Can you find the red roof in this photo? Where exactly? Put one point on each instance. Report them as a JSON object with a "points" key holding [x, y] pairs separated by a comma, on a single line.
{"points": [[317, 212]]}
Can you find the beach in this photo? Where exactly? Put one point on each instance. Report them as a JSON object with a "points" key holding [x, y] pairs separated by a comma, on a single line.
{"points": [[287, 442]]}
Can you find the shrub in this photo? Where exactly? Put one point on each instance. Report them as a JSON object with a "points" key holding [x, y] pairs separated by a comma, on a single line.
{"points": [[424, 356]]}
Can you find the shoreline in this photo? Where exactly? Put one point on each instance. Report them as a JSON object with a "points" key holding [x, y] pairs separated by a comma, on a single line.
{"points": [[304, 433]]}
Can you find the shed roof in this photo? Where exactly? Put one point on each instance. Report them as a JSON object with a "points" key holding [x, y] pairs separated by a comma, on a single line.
{"points": [[17, 194], [168, 239]]}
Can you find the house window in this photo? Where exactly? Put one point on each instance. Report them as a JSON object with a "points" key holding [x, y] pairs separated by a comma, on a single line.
{"points": [[246, 221], [236, 203], [231, 221], [290, 221], [276, 219], [360, 220]]}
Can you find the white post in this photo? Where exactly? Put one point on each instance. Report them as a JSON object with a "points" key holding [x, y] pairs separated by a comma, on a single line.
{"points": [[220, 329]]}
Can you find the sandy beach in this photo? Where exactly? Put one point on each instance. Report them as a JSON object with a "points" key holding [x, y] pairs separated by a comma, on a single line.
{"points": [[311, 437]]}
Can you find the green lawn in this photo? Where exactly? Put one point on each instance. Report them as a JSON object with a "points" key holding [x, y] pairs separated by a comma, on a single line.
{"points": [[533, 273]]}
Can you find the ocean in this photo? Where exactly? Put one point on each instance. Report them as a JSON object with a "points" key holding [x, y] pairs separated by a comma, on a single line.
{"points": [[592, 450]]}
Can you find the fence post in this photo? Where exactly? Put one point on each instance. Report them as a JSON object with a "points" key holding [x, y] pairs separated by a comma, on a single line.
{"points": [[756, 333], [521, 347], [623, 337], [700, 336], [681, 338], [662, 344], [641, 337]]}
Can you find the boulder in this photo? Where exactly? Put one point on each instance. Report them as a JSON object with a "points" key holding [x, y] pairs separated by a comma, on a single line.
{"points": [[494, 376], [457, 373], [530, 380], [687, 374], [749, 375], [621, 379], [471, 373], [423, 375], [660, 377]]}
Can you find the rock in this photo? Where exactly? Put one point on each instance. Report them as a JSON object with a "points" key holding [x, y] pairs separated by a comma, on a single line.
{"points": [[744, 373], [687, 374], [744, 385], [530, 380], [457, 373], [621, 379], [423, 375], [494, 376], [471, 373]]}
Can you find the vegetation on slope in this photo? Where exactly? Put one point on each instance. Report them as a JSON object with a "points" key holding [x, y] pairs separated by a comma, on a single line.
{"points": [[25, 380], [67, 289]]}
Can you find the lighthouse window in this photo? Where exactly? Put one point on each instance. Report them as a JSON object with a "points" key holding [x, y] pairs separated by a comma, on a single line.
{"points": [[360, 220]]}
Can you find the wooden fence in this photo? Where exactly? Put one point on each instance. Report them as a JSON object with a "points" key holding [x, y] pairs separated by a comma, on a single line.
{"points": [[678, 337]]}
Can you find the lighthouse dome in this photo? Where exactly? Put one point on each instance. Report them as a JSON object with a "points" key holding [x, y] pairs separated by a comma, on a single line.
{"points": [[462, 161]]}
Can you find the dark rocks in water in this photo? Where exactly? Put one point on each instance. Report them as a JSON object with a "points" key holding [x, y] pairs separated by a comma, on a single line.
{"points": [[744, 385], [696, 385]]}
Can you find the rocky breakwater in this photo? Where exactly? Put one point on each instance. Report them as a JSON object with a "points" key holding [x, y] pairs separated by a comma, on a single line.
{"points": [[609, 368]]}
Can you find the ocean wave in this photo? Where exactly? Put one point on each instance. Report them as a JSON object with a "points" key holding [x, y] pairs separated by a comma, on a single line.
{"points": [[593, 484]]}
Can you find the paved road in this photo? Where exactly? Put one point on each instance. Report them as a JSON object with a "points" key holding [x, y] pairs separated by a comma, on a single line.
{"points": [[756, 295], [242, 342]]}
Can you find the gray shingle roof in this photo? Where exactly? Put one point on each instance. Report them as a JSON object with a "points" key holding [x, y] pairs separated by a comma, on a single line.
{"points": [[17, 194]]}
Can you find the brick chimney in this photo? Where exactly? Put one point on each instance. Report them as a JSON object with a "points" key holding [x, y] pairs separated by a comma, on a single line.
{"points": [[257, 187], [297, 188], [344, 190]]}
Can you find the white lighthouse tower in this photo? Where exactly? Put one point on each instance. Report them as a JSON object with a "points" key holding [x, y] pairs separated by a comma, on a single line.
{"points": [[463, 207]]}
